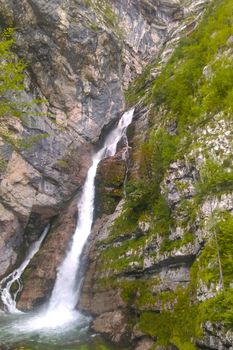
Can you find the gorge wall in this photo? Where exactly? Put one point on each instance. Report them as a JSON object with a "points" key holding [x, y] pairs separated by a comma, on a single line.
{"points": [[160, 265], [158, 259], [80, 56]]}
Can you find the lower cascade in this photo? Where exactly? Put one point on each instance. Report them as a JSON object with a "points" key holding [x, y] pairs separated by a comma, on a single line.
{"points": [[61, 310], [8, 300]]}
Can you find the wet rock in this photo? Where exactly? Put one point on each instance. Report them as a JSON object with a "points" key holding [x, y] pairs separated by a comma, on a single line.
{"points": [[41, 272], [215, 337], [109, 184], [78, 63], [95, 297], [144, 344], [112, 324], [10, 239]]}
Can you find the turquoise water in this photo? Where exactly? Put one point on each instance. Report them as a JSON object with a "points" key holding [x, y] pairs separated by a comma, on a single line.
{"points": [[14, 336]]}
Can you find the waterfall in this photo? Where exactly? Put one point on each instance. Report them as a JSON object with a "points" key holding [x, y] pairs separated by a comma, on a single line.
{"points": [[61, 309], [9, 300]]}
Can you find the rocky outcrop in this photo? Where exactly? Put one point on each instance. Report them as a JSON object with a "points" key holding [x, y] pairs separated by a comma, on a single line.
{"points": [[151, 255], [162, 252], [97, 298], [112, 324], [42, 271], [109, 183], [80, 56]]}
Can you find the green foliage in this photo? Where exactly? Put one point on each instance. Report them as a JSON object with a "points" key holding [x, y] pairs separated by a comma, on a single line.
{"points": [[217, 92], [224, 231], [104, 9], [190, 97], [177, 326], [182, 88], [144, 195], [118, 259], [218, 309], [214, 179], [137, 89], [207, 264], [169, 245], [11, 76], [162, 217], [11, 87], [139, 292], [158, 153]]}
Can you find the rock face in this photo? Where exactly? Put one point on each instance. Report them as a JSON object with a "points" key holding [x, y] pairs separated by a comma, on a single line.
{"points": [[80, 57], [41, 272], [162, 256], [98, 298], [152, 254], [109, 183], [111, 323]]}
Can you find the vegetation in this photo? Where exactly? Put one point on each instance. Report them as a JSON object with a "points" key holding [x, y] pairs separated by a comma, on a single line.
{"points": [[215, 179], [105, 12], [11, 76], [182, 87], [12, 105], [193, 91]]}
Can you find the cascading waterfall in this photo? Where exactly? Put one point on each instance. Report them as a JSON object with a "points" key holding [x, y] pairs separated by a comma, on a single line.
{"points": [[8, 299], [61, 310]]}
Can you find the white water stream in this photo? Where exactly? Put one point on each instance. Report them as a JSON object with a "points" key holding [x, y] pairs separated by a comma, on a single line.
{"points": [[61, 310], [8, 299]]}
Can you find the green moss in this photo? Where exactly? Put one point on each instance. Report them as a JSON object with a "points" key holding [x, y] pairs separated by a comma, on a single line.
{"points": [[104, 10], [3, 164], [190, 99], [214, 179], [12, 84], [175, 327], [168, 245], [182, 89], [62, 163], [26, 274], [119, 257], [139, 292]]}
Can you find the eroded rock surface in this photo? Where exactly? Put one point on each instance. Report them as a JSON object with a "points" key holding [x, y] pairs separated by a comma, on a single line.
{"points": [[42, 271], [80, 56], [167, 256]]}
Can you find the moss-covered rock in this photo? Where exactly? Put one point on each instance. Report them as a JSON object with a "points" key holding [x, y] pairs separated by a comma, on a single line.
{"points": [[175, 271], [109, 184]]}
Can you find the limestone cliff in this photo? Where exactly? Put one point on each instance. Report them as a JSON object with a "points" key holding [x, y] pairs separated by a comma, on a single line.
{"points": [[80, 56], [162, 262], [159, 259]]}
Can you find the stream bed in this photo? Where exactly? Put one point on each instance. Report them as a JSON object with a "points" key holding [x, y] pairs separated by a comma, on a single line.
{"points": [[14, 335]]}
